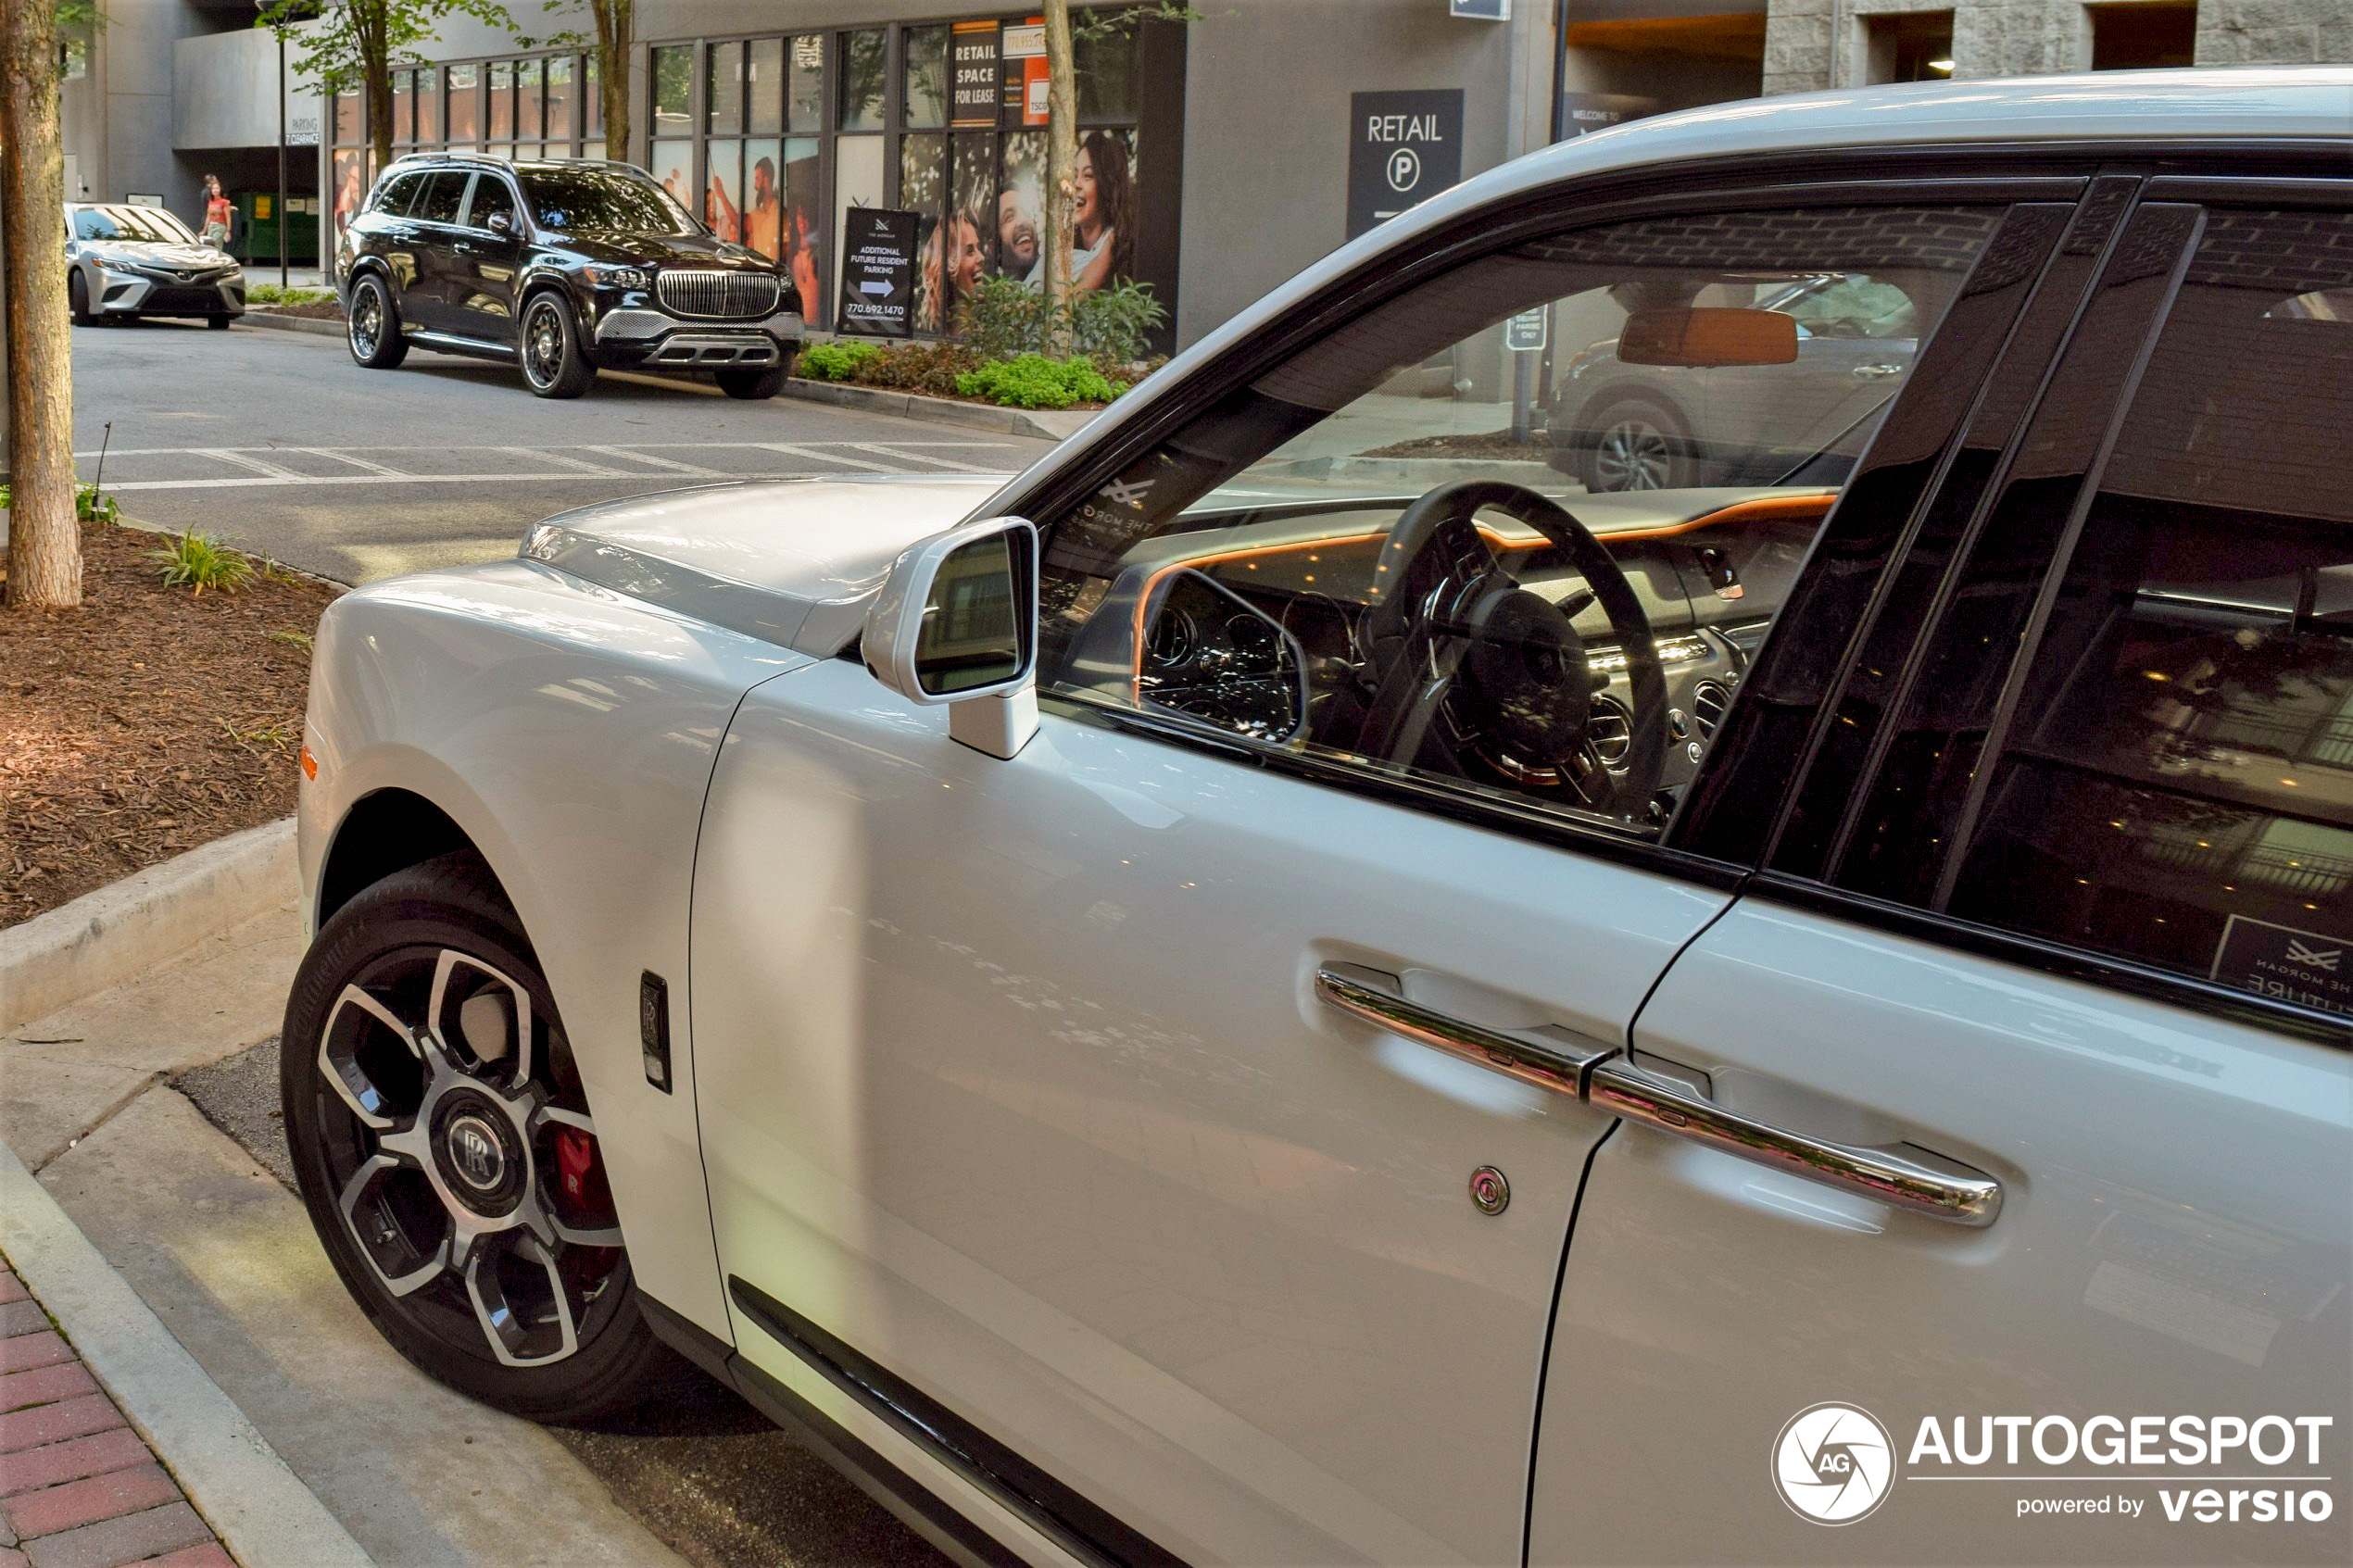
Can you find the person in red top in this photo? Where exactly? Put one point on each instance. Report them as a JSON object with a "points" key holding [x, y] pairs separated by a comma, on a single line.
{"points": [[217, 214]]}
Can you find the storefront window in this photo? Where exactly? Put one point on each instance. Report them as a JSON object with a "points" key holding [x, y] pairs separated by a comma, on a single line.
{"points": [[502, 101], [723, 90], [465, 106], [672, 163], [862, 79], [559, 98], [723, 200], [764, 86], [529, 121], [1105, 68], [805, 107], [673, 89], [347, 117], [592, 99], [926, 76], [403, 107], [429, 106]]}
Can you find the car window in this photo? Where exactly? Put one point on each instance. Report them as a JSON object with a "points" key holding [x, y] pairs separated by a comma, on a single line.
{"points": [[394, 196], [139, 224], [1533, 574], [2175, 784], [589, 200], [444, 196], [492, 198]]}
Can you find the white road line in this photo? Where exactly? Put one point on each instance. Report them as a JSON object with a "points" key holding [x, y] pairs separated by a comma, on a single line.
{"points": [[881, 451], [548, 455], [296, 479], [789, 450], [631, 454], [336, 455], [237, 458]]}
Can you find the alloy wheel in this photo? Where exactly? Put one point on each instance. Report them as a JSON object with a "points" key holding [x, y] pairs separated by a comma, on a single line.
{"points": [[543, 344], [367, 321], [476, 1193], [1633, 454]]}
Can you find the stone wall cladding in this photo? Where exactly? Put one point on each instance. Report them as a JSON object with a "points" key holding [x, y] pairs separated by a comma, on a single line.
{"points": [[2039, 37]]}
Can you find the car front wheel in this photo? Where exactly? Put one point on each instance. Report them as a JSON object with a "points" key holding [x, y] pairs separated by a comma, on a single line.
{"points": [[444, 1150], [553, 363], [78, 296], [1635, 444], [375, 326]]}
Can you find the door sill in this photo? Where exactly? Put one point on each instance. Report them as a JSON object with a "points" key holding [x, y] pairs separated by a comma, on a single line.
{"points": [[451, 343]]}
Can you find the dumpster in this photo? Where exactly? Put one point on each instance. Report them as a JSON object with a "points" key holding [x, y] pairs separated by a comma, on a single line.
{"points": [[255, 241]]}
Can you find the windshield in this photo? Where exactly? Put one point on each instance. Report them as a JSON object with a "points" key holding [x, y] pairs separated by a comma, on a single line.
{"points": [[134, 223], [574, 199]]}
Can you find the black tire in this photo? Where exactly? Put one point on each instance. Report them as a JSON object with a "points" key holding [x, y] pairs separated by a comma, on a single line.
{"points": [[393, 940], [78, 296], [373, 325], [753, 387], [1634, 443], [554, 365], [218, 323]]}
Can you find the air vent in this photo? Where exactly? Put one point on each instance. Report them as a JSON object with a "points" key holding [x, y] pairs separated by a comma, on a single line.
{"points": [[1610, 730], [718, 296], [1709, 704]]}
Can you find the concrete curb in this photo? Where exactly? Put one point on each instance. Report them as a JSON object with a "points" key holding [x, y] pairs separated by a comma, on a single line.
{"points": [[1045, 424], [127, 927], [277, 324], [259, 1508]]}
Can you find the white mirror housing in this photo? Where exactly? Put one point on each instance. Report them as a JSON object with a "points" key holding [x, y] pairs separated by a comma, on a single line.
{"points": [[956, 626]]}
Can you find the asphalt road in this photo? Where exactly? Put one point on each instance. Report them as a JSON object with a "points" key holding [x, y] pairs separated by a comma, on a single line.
{"points": [[700, 1468], [278, 444]]}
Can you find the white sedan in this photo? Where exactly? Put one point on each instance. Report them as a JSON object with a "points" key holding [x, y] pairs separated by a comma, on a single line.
{"points": [[1290, 986]]}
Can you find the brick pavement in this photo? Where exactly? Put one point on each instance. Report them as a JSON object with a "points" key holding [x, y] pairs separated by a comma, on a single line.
{"points": [[79, 1489]]}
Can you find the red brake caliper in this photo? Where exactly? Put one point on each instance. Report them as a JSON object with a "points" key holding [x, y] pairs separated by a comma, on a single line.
{"points": [[576, 1164]]}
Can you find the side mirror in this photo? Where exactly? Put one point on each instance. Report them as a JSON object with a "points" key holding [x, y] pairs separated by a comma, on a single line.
{"points": [[501, 224], [956, 624]]}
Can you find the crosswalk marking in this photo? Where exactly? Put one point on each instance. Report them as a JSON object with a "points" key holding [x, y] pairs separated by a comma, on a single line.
{"points": [[259, 468]]}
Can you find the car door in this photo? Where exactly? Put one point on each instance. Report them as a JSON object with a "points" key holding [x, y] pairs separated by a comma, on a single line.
{"points": [[483, 262], [2061, 902], [428, 298], [1105, 1113]]}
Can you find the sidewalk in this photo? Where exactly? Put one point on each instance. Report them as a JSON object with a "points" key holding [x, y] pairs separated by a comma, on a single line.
{"points": [[79, 1489]]}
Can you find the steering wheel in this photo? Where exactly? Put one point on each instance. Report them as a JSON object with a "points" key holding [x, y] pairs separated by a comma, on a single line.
{"points": [[1451, 631]]}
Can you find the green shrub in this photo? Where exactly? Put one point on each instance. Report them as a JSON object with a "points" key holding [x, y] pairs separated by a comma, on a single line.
{"points": [[1003, 318], [199, 561], [834, 361], [1032, 381], [88, 503], [271, 293]]}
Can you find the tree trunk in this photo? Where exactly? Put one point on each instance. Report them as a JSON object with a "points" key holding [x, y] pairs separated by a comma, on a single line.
{"points": [[1061, 168], [616, 20], [375, 64], [44, 540]]}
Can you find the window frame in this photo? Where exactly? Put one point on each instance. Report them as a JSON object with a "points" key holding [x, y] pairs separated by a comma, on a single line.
{"points": [[1767, 183], [2047, 955]]}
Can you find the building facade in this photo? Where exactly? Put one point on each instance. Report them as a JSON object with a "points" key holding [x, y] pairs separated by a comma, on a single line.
{"points": [[1221, 155]]}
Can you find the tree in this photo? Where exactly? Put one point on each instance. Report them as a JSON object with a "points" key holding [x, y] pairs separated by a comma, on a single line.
{"points": [[1062, 131], [616, 24], [44, 538], [354, 44]]}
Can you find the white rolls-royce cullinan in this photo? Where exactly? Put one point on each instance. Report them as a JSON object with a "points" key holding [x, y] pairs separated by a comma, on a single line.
{"points": [[1290, 986]]}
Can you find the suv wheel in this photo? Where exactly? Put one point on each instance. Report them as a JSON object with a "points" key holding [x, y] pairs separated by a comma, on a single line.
{"points": [[375, 326], [553, 365], [444, 1152], [752, 385], [1636, 445]]}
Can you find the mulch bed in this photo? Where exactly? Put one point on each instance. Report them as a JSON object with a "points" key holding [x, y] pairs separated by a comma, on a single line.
{"points": [[146, 722], [1493, 445], [325, 310]]}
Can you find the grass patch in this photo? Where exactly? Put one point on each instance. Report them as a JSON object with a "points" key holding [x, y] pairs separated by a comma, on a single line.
{"points": [[199, 561], [271, 293]]}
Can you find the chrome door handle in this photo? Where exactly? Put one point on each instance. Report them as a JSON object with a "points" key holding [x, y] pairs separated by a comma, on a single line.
{"points": [[1901, 1175], [1876, 373]]}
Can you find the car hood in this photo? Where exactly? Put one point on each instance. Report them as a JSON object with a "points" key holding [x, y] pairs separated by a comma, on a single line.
{"points": [[155, 252], [792, 561]]}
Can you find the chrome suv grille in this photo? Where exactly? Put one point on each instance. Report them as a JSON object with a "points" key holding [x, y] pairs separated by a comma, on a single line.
{"points": [[728, 295]]}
